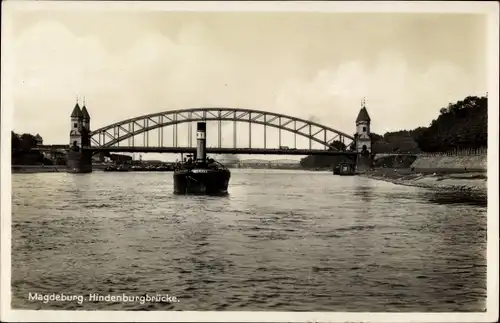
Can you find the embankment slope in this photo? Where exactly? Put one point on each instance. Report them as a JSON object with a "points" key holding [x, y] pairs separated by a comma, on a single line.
{"points": [[452, 164], [458, 173]]}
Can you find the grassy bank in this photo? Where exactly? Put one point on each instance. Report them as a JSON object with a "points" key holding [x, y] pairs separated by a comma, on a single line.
{"points": [[439, 180]]}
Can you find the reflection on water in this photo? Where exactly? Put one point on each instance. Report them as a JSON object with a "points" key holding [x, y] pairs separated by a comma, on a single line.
{"points": [[447, 197], [280, 241], [364, 190]]}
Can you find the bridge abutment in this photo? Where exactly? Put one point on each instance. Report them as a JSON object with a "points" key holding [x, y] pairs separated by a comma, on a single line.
{"points": [[79, 161], [363, 162]]}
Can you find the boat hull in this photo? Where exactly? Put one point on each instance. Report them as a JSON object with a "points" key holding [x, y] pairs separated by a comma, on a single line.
{"points": [[201, 181]]}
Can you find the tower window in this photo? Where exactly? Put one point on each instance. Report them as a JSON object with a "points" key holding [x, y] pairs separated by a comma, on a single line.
{"points": [[75, 125], [364, 129]]}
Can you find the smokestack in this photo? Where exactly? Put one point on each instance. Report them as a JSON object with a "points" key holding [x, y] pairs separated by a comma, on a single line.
{"points": [[201, 142]]}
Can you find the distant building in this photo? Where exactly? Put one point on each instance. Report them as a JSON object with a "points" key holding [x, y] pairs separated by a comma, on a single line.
{"points": [[58, 157], [39, 140], [117, 158]]}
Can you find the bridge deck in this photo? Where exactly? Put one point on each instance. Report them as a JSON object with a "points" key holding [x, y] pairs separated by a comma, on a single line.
{"points": [[213, 150]]}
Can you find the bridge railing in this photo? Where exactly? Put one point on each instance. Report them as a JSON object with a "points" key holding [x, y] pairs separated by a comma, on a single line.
{"points": [[458, 152]]}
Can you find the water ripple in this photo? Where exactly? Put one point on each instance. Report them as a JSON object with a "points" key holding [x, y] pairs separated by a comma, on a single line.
{"points": [[280, 241]]}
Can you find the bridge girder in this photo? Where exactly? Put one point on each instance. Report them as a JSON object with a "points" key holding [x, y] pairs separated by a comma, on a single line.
{"points": [[145, 123], [272, 162]]}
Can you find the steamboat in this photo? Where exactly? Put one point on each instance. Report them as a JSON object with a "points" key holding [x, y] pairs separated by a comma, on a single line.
{"points": [[201, 175]]}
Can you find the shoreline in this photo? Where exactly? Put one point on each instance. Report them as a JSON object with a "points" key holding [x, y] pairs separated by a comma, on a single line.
{"points": [[30, 169], [473, 182]]}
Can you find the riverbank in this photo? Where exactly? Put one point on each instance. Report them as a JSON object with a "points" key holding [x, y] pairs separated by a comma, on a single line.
{"points": [[440, 180], [37, 169]]}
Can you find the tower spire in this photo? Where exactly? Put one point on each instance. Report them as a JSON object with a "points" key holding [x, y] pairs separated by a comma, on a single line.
{"points": [[85, 113], [363, 113], [77, 112]]}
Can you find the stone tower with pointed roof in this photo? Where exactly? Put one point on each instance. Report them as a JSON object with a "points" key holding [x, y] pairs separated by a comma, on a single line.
{"points": [[363, 140], [79, 160], [75, 134], [85, 126]]}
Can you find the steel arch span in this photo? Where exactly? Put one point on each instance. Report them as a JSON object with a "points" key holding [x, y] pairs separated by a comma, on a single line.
{"points": [[112, 134]]}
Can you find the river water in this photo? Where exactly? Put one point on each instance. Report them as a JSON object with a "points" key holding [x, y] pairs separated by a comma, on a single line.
{"points": [[281, 241]]}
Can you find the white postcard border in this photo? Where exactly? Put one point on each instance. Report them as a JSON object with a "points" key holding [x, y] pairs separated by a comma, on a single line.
{"points": [[487, 8]]}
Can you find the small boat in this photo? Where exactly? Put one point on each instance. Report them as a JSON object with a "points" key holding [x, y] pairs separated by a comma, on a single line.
{"points": [[117, 168], [344, 168]]}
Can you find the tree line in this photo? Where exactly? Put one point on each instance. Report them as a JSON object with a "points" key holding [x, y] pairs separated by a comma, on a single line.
{"points": [[22, 143], [22, 153], [461, 125]]}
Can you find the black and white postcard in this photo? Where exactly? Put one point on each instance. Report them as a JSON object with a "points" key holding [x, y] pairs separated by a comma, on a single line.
{"points": [[261, 161]]}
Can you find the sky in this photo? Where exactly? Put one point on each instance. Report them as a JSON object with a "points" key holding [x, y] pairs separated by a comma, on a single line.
{"points": [[316, 66]]}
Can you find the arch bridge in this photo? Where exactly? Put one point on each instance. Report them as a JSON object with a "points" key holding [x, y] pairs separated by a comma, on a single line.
{"points": [[113, 136]]}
